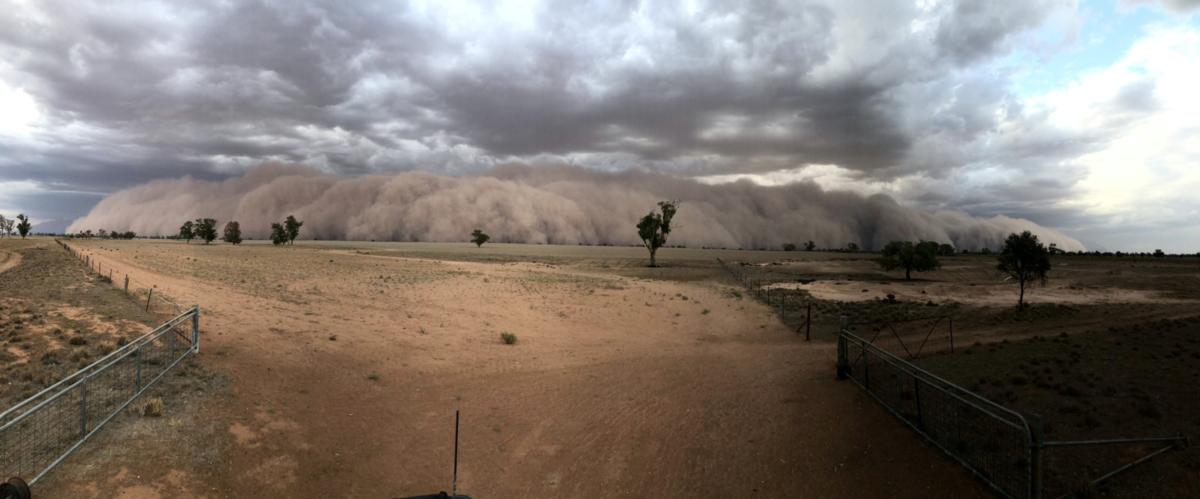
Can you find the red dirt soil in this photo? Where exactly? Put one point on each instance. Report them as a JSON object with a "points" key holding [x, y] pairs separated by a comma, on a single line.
{"points": [[345, 371]]}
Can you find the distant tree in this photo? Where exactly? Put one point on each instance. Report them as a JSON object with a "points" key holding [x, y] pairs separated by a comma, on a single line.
{"points": [[23, 226], [1055, 250], [654, 228], [852, 247], [920, 257], [1025, 259], [206, 229], [129, 234], [292, 226], [810, 246], [1159, 253], [187, 231], [945, 249], [9, 226], [479, 237], [985, 251], [233, 232], [279, 234], [789, 247], [102, 233], [3, 226]]}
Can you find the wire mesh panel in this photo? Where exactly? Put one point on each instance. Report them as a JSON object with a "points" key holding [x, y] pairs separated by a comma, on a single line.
{"points": [[41, 431], [991, 441]]}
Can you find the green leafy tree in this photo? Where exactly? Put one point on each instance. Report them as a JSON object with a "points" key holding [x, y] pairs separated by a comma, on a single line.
{"points": [[23, 225], [292, 226], [1024, 259], [233, 232], [205, 229], [919, 257], [655, 227], [479, 237], [279, 234], [810, 246], [187, 231]]}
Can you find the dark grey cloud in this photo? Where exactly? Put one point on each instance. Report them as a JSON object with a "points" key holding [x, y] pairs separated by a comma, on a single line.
{"points": [[143, 90]]}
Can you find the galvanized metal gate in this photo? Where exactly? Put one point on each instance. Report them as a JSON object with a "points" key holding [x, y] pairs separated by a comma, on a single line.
{"points": [[40, 432]]}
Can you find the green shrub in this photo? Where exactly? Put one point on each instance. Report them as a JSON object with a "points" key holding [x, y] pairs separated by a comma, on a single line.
{"points": [[508, 338]]}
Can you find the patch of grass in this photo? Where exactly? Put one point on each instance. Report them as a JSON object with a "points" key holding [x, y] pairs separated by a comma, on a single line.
{"points": [[705, 312], [151, 408], [374, 376], [508, 338]]}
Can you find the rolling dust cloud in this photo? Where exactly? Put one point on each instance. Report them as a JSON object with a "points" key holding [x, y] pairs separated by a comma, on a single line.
{"points": [[551, 205]]}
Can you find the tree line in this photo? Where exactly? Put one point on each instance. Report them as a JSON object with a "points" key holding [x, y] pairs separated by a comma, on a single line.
{"points": [[205, 229]]}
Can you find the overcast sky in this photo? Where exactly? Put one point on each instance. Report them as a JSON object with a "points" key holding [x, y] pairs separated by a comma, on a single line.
{"points": [[1083, 116]]}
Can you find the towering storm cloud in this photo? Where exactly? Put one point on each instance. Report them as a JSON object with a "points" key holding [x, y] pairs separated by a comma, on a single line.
{"points": [[545, 204]]}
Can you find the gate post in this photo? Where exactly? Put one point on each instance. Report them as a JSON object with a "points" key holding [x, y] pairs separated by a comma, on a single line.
{"points": [[195, 328], [843, 362], [1036, 437]]}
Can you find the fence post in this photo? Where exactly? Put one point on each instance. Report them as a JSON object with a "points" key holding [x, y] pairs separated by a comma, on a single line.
{"points": [[1036, 436], [148, 295], [126, 283], [196, 328], [917, 401], [808, 324], [843, 360], [83, 408], [137, 354], [951, 335], [866, 363]]}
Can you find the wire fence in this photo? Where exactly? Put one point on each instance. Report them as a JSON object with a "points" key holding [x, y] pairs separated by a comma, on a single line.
{"points": [[1003, 448], [149, 295], [37, 434], [792, 305]]}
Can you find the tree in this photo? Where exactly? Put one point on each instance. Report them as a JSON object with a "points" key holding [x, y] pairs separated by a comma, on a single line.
{"points": [[810, 246], [1159, 253], [1025, 259], [279, 234], [654, 228], [24, 225], [9, 226], [852, 247], [206, 229], [789, 247], [478, 237], [3, 226], [292, 226], [945, 249], [920, 257], [233, 232], [187, 231]]}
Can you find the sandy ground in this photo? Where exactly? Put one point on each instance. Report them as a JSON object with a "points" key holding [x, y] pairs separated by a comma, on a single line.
{"points": [[8, 260], [345, 371]]}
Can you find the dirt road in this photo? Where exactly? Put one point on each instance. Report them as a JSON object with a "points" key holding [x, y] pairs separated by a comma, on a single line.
{"points": [[345, 371]]}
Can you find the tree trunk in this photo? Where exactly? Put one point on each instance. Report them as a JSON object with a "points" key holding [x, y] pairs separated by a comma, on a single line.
{"points": [[908, 273], [652, 264]]}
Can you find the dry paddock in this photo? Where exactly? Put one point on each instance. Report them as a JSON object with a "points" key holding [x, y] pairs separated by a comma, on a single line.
{"points": [[344, 364]]}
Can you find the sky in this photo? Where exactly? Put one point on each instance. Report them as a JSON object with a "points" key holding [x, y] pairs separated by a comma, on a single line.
{"points": [[1079, 116]]}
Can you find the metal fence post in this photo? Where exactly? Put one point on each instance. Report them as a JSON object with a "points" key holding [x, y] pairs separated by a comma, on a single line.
{"points": [[148, 295], [1036, 437], [808, 324], [917, 402], [83, 408], [137, 354], [195, 328], [843, 360]]}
